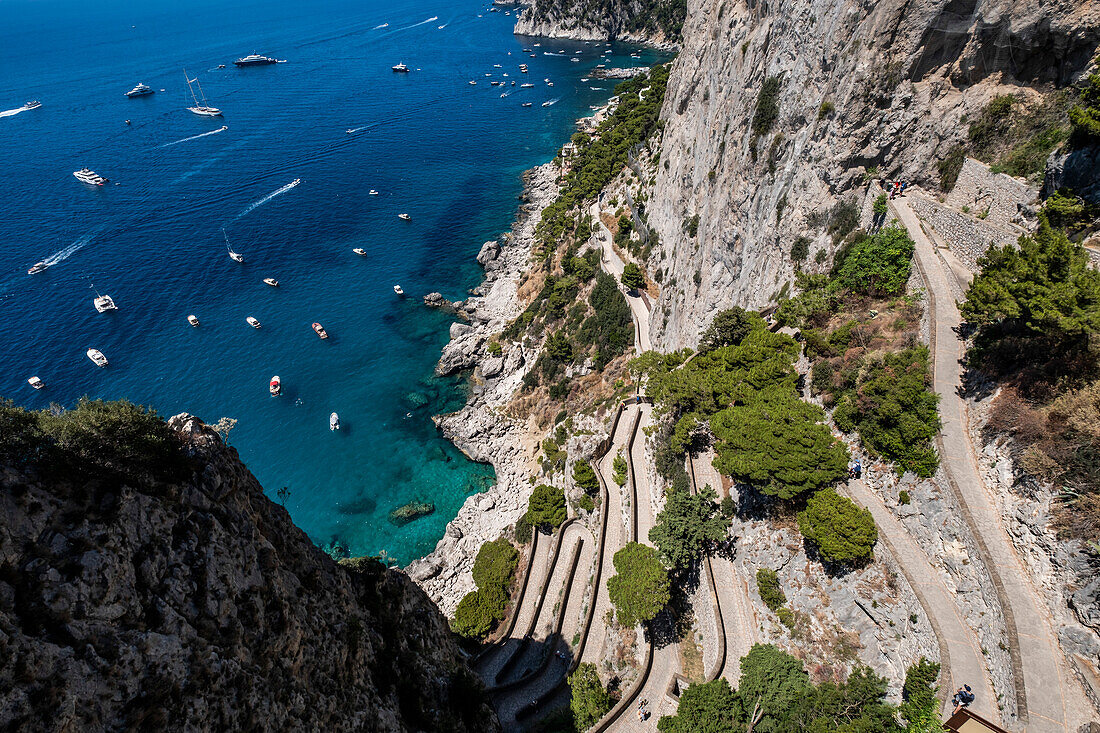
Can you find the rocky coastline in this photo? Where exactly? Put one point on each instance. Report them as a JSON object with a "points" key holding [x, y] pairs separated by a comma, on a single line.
{"points": [[481, 429]]}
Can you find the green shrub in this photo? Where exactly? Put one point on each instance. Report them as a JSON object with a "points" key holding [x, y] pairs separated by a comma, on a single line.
{"points": [[640, 588], [800, 250], [495, 563], [880, 264], [786, 617], [478, 612], [767, 583], [494, 348], [686, 525], [1085, 117], [691, 225], [767, 107], [610, 328], [619, 468], [585, 477], [632, 277], [826, 109], [950, 166], [523, 530], [918, 693], [879, 206], [586, 503], [728, 328], [903, 497], [546, 508], [588, 697], [843, 218], [843, 532]]}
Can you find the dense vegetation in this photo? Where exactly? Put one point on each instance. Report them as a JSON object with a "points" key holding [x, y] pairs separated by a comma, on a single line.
{"points": [[878, 265], [480, 610], [767, 583], [1085, 117], [688, 525], [585, 477], [767, 107], [841, 531], [775, 695], [118, 442], [1036, 309], [546, 508], [640, 588], [589, 699]]}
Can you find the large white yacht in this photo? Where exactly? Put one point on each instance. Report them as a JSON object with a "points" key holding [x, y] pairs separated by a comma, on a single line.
{"points": [[141, 90], [255, 59], [87, 175]]}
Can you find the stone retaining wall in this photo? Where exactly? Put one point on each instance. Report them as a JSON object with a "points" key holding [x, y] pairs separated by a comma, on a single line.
{"points": [[979, 188], [967, 237]]}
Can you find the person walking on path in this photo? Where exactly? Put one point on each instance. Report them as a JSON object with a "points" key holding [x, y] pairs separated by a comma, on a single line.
{"points": [[962, 699]]}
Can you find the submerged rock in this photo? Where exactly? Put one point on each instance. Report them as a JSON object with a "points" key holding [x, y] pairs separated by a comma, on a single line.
{"points": [[413, 510]]}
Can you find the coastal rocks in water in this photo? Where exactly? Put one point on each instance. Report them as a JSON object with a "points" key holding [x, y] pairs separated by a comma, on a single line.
{"points": [[459, 329], [460, 354], [488, 253], [627, 73], [413, 510], [454, 531], [423, 569], [416, 399]]}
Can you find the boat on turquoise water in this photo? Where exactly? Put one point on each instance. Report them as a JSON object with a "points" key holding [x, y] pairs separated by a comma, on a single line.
{"points": [[397, 289], [404, 217], [36, 383], [204, 109], [235, 256], [90, 177], [400, 68], [33, 104], [255, 59], [373, 192], [38, 267], [271, 281], [526, 104], [334, 421], [275, 386], [360, 251], [141, 90], [97, 357], [319, 330], [251, 321], [193, 320]]}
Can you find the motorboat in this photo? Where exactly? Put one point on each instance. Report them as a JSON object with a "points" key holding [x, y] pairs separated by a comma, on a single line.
{"points": [[526, 104], [38, 267], [397, 289], [204, 109], [547, 80], [255, 59], [221, 66], [574, 59], [36, 383], [104, 303], [547, 103], [349, 131], [527, 50], [320, 330], [473, 83], [97, 357], [497, 66], [275, 386], [235, 256], [360, 251], [494, 83], [141, 90], [549, 83], [404, 217], [400, 68], [193, 320], [271, 281], [373, 192], [90, 177], [528, 85], [252, 322], [33, 104], [585, 79], [334, 421]]}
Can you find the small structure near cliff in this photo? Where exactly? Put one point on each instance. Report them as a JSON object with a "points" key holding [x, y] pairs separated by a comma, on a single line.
{"points": [[181, 598]]}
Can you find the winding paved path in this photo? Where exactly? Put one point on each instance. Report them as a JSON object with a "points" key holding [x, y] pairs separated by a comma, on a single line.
{"points": [[613, 265], [1049, 696]]}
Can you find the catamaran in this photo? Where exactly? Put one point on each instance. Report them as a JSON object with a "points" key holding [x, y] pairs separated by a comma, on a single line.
{"points": [[103, 303], [204, 109]]}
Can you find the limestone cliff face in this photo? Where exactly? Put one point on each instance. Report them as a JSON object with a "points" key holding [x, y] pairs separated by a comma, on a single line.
{"points": [[198, 605], [647, 21], [898, 77]]}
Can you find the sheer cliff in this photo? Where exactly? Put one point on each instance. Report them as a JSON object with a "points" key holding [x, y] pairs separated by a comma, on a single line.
{"points": [[147, 583], [652, 21], [778, 111]]}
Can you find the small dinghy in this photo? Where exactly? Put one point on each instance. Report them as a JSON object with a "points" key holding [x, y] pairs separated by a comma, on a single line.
{"points": [[275, 386], [334, 421], [321, 332], [252, 322], [397, 289], [360, 251], [97, 357], [271, 281], [193, 320], [36, 383]]}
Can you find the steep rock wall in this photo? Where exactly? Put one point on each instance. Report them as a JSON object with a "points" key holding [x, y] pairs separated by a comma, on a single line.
{"points": [[643, 21], [198, 605], [899, 77]]}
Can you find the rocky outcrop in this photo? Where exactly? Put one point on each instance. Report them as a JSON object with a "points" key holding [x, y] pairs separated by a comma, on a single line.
{"points": [[198, 605], [1078, 170], [655, 22], [885, 85]]}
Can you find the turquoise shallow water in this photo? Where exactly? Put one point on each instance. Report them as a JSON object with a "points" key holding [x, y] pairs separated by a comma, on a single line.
{"points": [[449, 154]]}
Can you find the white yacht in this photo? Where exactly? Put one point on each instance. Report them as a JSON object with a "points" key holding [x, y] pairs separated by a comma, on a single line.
{"points": [[36, 383], [526, 104], [275, 386], [373, 192], [141, 90], [334, 421], [397, 289], [528, 85], [104, 303], [404, 217], [235, 256], [271, 281], [204, 109], [97, 357], [400, 68], [473, 83], [193, 320], [33, 104], [38, 267], [360, 251], [254, 59], [252, 322], [90, 177]]}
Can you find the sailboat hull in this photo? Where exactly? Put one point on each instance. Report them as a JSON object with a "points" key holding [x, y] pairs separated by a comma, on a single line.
{"points": [[206, 111]]}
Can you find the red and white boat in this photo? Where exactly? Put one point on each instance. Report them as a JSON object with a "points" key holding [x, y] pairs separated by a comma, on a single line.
{"points": [[320, 330], [276, 386]]}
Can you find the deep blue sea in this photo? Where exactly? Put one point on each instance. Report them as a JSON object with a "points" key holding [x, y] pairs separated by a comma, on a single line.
{"points": [[449, 154]]}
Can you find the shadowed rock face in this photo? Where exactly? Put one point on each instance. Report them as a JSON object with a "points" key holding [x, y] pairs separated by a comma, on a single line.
{"points": [[198, 605]]}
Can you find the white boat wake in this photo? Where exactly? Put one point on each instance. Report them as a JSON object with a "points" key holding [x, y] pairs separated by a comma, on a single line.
{"points": [[429, 20], [441, 27], [256, 204], [69, 251], [12, 112], [359, 129], [223, 128], [547, 53], [551, 102]]}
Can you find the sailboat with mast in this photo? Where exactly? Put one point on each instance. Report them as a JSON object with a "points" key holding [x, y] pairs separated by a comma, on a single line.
{"points": [[204, 109], [236, 257]]}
